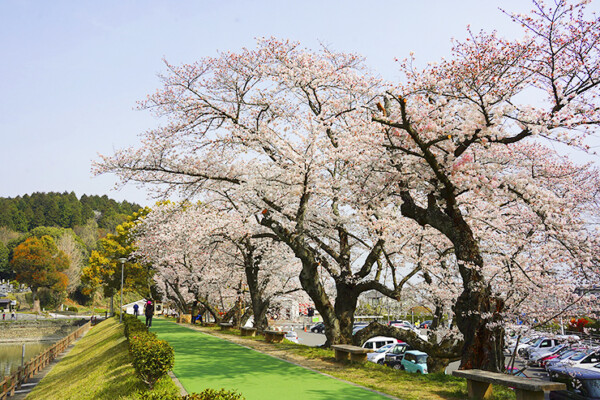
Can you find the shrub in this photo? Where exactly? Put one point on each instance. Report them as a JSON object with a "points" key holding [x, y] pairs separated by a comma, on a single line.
{"points": [[151, 358], [156, 395], [133, 325], [165, 389], [72, 308], [211, 394]]}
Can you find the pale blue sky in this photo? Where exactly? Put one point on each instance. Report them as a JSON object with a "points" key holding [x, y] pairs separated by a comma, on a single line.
{"points": [[72, 71]]}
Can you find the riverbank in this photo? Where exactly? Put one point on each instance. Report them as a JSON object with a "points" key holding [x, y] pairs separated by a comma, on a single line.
{"points": [[41, 330]]}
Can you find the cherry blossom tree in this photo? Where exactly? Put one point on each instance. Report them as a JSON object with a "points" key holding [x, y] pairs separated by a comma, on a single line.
{"points": [[452, 129], [371, 185], [274, 134], [185, 269], [222, 245]]}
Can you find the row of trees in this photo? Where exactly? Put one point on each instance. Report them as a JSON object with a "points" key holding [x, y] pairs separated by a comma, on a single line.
{"points": [[443, 179], [24, 213]]}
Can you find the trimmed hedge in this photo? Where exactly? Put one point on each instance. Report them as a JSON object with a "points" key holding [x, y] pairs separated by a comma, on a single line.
{"points": [[207, 394], [151, 358], [133, 326], [211, 394]]}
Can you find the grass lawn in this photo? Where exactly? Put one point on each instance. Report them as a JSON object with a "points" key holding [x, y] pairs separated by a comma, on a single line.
{"points": [[98, 367], [401, 384], [204, 361]]}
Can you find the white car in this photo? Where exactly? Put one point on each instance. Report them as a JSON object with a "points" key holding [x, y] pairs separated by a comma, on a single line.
{"points": [[540, 344], [378, 356], [592, 367], [291, 336], [377, 342], [524, 343], [581, 359]]}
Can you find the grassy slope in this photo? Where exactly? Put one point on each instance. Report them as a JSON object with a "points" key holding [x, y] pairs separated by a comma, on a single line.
{"points": [[98, 367]]}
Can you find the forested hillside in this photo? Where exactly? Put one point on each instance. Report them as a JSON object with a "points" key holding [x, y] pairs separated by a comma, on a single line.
{"points": [[61, 227], [24, 213]]}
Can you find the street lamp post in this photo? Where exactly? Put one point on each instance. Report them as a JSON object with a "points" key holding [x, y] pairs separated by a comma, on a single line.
{"points": [[122, 260]]}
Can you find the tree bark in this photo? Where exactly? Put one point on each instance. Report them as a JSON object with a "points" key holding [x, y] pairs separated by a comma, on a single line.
{"points": [[345, 307], [260, 306], [477, 310], [440, 354]]}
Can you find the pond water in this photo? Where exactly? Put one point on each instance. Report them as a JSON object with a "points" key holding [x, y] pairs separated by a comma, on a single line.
{"points": [[10, 354]]}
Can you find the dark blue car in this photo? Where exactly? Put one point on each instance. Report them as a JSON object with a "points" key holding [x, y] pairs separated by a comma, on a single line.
{"points": [[582, 383]]}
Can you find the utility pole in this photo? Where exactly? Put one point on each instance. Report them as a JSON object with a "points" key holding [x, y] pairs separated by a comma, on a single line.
{"points": [[122, 260]]}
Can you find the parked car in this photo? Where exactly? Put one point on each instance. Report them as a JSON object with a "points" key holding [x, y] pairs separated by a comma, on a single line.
{"points": [[576, 353], [425, 324], [378, 356], [393, 358], [537, 355], [585, 358], [400, 324], [408, 327], [358, 326], [415, 361], [564, 353], [524, 342], [319, 327], [379, 341], [539, 344], [291, 336], [582, 384]]}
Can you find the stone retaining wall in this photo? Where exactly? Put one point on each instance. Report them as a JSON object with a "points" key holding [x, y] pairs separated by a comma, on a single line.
{"points": [[37, 330]]}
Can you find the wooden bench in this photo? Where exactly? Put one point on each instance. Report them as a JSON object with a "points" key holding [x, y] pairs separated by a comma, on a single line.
{"points": [[184, 319], [479, 384], [247, 331], [274, 336], [348, 352], [226, 326]]}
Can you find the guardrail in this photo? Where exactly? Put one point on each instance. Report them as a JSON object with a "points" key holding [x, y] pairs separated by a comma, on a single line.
{"points": [[13, 382]]}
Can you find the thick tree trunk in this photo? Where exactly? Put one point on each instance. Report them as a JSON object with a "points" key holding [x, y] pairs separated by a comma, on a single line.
{"points": [[440, 354], [259, 305], [260, 309], [177, 298], [345, 306], [478, 311], [212, 311], [478, 319], [309, 279]]}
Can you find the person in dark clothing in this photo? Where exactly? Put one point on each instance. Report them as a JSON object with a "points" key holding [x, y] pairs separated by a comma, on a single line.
{"points": [[149, 312], [136, 310], [194, 311]]}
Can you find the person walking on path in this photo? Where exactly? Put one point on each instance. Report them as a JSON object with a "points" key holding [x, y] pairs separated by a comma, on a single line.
{"points": [[149, 311], [136, 310]]}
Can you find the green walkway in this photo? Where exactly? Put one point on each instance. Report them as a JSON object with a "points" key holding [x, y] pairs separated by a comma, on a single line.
{"points": [[204, 361]]}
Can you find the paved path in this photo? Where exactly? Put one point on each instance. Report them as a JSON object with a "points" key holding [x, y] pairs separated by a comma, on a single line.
{"points": [[204, 361]]}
